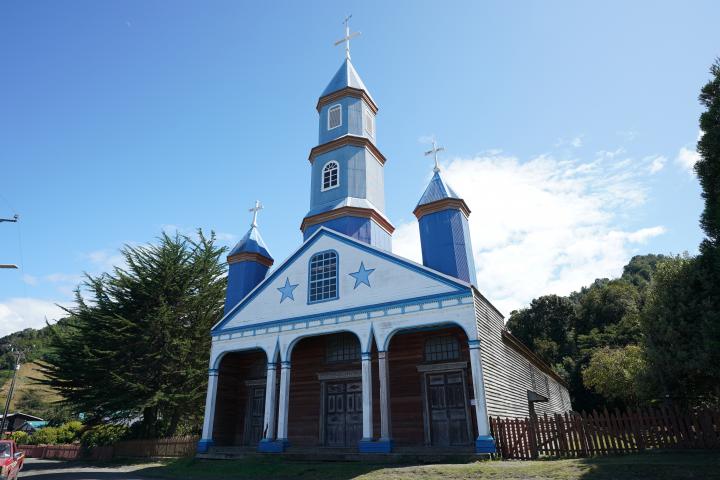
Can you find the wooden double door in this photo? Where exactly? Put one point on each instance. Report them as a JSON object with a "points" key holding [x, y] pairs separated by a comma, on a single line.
{"points": [[342, 413], [448, 422]]}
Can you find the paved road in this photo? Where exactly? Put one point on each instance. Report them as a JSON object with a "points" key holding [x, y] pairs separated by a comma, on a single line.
{"points": [[36, 469]]}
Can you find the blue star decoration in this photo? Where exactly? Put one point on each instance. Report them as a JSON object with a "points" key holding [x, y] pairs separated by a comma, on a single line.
{"points": [[287, 290], [362, 275]]}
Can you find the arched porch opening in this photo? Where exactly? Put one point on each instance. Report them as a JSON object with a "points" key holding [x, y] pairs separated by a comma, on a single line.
{"points": [[431, 388], [240, 401], [326, 392]]}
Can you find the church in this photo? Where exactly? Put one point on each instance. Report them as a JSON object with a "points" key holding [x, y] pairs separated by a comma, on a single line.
{"points": [[347, 347]]}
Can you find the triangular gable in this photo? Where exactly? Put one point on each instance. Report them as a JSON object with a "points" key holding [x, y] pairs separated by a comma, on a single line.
{"points": [[396, 278]]}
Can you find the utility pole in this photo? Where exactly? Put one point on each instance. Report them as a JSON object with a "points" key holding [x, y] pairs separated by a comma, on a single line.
{"points": [[18, 355], [14, 219]]}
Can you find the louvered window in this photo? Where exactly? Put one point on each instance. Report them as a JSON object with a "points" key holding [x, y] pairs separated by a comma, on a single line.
{"points": [[369, 121], [334, 117]]}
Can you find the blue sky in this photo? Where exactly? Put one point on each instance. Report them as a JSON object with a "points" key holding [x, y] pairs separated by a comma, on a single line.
{"points": [[568, 127]]}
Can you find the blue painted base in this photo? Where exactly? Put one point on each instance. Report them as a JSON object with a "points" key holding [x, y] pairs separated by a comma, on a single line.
{"points": [[272, 446], [204, 445], [381, 446], [485, 444]]}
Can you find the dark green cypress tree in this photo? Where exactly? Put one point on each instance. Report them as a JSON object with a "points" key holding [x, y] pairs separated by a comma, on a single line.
{"points": [[139, 346]]}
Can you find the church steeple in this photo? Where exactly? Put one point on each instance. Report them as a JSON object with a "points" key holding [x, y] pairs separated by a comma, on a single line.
{"points": [[248, 263], [444, 230], [347, 191]]}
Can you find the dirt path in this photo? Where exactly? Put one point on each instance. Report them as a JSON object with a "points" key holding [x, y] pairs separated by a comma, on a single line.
{"points": [[58, 470]]}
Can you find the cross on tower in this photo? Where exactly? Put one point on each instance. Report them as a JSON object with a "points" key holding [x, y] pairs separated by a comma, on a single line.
{"points": [[434, 151], [347, 37], [258, 206]]}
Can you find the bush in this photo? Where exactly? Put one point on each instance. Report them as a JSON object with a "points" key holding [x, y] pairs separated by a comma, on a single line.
{"points": [[69, 432], [21, 438], [44, 436], [103, 435]]}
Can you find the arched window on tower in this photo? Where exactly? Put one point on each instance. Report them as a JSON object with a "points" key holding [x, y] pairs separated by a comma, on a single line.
{"points": [[330, 175], [323, 277]]}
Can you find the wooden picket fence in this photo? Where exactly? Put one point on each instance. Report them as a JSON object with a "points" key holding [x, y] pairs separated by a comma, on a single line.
{"points": [[605, 433], [160, 447]]}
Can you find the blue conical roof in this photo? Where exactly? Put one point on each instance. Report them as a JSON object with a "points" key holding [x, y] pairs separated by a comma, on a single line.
{"points": [[436, 190], [346, 76], [252, 242]]}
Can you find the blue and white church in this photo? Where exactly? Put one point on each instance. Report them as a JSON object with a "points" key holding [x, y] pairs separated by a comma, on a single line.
{"points": [[347, 346]]}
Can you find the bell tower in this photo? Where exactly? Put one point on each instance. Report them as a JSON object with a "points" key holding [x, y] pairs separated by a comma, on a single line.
{"points": [[347, 183]]}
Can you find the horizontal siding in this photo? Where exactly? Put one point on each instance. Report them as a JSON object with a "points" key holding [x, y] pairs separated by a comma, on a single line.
{"points": [[508, 374]]}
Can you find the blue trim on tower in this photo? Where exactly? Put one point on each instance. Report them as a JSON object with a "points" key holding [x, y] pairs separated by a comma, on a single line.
{"points": [[271, 446], [436, 190], [458, 285]]}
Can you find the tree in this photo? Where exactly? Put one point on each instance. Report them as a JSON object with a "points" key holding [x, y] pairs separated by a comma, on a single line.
{"points": [[680, 326], [708, 166], [616, 373], [544, 326], [139, 345]]}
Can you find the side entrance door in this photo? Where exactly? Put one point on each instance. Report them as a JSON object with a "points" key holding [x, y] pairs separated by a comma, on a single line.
{"points": [[255, 416], [447, 409], [343, 414]]}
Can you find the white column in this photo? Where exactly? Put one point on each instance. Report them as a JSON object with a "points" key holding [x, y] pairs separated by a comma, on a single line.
{"points": [[210, 400], [284, 401], [384, 396], [479, 389], [367, 397], [270, 399]]}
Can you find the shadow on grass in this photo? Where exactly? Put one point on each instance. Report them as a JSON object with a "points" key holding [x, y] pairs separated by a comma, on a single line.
{"points": [[652, 466], [259, 468]]}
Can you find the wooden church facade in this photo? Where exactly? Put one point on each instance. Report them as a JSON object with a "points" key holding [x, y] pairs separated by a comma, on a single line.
{"points": [[345, 345]]}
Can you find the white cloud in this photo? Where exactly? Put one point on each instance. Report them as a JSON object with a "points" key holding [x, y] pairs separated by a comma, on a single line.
{"points": [[30, 279], [545, 225], [657, 163], [575, 142], [23, 312], [687, 157]]}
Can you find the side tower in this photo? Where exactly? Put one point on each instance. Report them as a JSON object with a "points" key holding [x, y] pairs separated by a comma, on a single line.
{"points": [[248, 263], [347, 186], [444, 231]]}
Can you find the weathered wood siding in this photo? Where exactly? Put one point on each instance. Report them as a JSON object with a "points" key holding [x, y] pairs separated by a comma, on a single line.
{"points": [[235, 369], [406, 352], [508, 374]]}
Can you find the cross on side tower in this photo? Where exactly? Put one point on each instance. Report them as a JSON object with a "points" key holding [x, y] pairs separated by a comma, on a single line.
{"points": [[347, 37], [434, 151], [258, 206]]}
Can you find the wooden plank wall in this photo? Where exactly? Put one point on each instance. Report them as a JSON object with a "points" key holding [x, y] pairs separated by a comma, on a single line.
{"points": [[509, 375]]}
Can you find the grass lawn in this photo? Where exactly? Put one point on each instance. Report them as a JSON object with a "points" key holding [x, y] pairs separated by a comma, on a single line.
{"points": [[656, 466]]}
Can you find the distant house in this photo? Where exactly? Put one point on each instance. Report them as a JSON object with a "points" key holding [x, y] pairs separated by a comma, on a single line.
{"points": [[32, 425], [16, 420]]}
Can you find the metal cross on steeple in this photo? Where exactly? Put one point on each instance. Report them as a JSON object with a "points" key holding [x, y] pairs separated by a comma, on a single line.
{"points": [[434, 151], [258, 206], [348, 36]]}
